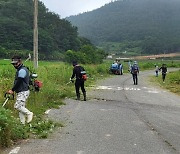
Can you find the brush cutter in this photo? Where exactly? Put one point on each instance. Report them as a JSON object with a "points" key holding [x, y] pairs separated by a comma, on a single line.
{"points": [[71, 81], [7, 96], [29, 57]]}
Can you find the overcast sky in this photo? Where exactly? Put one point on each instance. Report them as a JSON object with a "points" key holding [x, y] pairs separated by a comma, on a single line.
{"points": [[73, 7]]}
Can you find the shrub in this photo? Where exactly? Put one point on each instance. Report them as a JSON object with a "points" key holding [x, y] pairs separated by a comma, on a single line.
{"points": [[10, 128], [87, 55]]}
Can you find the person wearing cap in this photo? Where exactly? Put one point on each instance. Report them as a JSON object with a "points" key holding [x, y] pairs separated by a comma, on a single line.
{"points": [[79, 81], [134, 72], [164, 71], [21, 87]]}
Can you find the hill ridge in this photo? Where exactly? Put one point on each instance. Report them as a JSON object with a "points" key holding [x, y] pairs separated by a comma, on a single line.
{"points": [[152, 26]]}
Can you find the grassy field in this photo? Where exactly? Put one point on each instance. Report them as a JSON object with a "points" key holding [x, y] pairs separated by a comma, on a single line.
{"points": [[55, 76], [172, 82]]}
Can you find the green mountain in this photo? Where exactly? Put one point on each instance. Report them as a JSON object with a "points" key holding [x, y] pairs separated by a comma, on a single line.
{"points": [[144, 26], [16, 23]]}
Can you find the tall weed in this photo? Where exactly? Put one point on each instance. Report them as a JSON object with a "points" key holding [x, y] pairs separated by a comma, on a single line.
{"points": [[55, 76], [10, 128], [172, 81]]}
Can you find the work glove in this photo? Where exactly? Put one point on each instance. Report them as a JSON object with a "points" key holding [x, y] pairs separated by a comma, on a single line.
{"points": [[71, 80]]}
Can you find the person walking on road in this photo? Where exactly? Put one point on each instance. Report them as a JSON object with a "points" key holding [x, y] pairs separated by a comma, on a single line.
{"points": [[156, 70], [121, 68], [78, 72], [21, 87], [163, 69], [134, 72]]}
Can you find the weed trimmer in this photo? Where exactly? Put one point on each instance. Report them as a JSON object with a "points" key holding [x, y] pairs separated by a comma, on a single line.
{"points": [[71, 81], [8, 96], [29, 57]]}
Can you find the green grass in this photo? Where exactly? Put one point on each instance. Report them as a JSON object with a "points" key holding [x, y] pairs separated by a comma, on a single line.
{"points": [[10, 128], [150, 64], [55, 76], [172, 81]]}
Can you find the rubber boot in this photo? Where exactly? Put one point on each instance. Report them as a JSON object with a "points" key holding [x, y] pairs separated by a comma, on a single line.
{"points": [[84, 94], [78, 96]]}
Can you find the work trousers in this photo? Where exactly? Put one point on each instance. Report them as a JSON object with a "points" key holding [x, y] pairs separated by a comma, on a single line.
{"points": [[20, 104], [79, 83], [135, 79], [163, 76], [156, 73]]}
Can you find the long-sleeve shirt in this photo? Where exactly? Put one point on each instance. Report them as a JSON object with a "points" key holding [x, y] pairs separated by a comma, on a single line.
{"points": [[164, 69], [77, 72]]}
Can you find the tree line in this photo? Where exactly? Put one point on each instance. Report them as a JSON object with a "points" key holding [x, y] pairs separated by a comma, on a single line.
{"points": [[56, 35], [153, 25]]}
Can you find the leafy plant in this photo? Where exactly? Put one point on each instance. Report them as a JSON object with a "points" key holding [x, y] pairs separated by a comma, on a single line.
{"points": [[172, 82], [55, 76], [10, 128], [42, 128]]}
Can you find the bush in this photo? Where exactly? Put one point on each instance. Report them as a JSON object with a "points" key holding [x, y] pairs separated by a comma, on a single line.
{"points": [[10, 128], [87, 55]]}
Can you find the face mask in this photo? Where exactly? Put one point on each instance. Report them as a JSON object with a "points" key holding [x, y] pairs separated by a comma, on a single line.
{"points": [[16, 65]]}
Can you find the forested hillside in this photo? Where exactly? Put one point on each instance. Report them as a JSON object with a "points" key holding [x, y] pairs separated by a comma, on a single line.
{"points": [[56, 35], [145, 26]]}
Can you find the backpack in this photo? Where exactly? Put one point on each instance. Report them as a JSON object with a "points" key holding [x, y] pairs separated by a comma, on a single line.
{"points": [[83, 74], [135, 69], [34, 84]]}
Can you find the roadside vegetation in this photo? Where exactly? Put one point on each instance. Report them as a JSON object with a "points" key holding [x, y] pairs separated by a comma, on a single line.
{"points": [[150, 64], [55, 76], [172, 82]]}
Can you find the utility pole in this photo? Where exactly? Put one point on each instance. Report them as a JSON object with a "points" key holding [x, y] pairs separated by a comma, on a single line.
{"points": [[35, 37]]}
